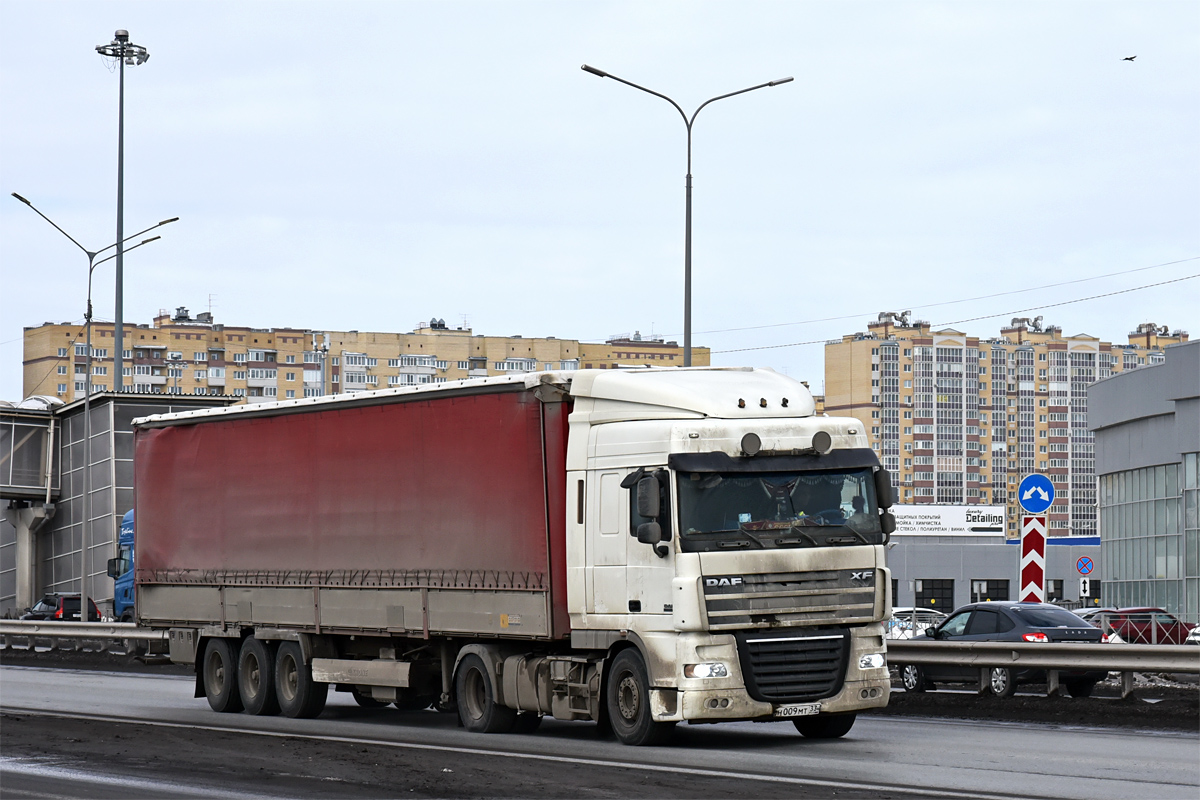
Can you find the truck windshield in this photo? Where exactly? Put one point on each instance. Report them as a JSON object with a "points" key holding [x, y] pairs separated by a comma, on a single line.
{"points": [[729, 511]]}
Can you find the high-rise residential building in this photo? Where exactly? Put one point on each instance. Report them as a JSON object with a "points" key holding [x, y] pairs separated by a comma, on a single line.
{"points": [[181, 354], [960, 419]]}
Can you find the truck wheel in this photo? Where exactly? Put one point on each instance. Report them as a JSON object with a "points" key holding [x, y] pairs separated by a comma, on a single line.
{"points": [[220, 677], [825, 726], [300, 697], [629, 702], [1001, 681], [256, 677], [1080, 688], [477, 706], [913, 678]]}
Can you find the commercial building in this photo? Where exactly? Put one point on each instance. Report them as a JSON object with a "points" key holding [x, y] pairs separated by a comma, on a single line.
{"points": [[960, 420], [181, 354], [1147, 429]]}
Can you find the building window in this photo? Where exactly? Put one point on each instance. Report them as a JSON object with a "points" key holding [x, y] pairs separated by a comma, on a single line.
{"points": [[290, 360], [62, 388], [291, 376], [239, 358], [937, 593], [62, 369], [239, 375], [988, 590], [62, 352], [1054, 590], [81, 349], [239, 392], [200, 375], [199, 356], [291, 393]]}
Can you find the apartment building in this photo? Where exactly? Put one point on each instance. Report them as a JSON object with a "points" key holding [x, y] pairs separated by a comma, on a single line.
{"points": [[960, 419], [181, 354]]}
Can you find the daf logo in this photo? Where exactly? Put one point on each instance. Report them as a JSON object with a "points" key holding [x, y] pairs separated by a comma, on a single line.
{"points": [[723, 581]]}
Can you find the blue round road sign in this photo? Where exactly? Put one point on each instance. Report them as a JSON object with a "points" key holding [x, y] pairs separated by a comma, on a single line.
{"points": [[1036, 493], [1084, 565]]}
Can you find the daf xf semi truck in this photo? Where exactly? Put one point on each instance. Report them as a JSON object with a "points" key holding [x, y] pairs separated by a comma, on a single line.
{"points": [[635, 547]]}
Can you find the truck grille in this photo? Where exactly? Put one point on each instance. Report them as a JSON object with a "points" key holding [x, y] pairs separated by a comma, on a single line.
{"points": [[788, 666], [830, 597]]}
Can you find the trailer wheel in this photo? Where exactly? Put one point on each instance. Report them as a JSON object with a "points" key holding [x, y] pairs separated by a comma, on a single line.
{"points": [[831, 726], [477, 706], [256, 677], [300, 697], [220, 677], [629, 702]]}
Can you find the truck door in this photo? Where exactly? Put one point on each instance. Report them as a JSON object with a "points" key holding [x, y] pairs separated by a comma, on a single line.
{"points": [[606, 543], [649, 575]]}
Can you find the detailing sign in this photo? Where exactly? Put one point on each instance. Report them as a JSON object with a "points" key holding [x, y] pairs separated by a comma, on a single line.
{"points": [[933, 520]]}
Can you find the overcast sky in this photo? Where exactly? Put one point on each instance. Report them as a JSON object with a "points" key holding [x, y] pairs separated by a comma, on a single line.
{"points": [[367, 165]]}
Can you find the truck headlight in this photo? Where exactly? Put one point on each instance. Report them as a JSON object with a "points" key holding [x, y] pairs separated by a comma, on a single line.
{"points": [[711, 669], [871, 661]]}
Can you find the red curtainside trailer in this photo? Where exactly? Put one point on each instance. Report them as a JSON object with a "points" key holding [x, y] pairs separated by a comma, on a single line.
{"points": [[388, 500]]}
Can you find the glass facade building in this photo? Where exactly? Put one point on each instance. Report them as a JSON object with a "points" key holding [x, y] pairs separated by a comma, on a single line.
{"points": [[1147, 431]]}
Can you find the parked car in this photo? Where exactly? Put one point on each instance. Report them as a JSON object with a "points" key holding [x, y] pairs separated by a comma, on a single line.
{"points": [[1006, 622], [61, 606], [1093, 615], [1193, 637], [906, 622], [1145, 625]]}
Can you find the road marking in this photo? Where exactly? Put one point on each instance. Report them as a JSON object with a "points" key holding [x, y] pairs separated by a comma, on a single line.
{"points": [[593, 762], [41, 769]]}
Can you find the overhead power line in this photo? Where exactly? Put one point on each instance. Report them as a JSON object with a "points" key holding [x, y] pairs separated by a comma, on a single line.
{"points": [[947, 302], [985, 316]]}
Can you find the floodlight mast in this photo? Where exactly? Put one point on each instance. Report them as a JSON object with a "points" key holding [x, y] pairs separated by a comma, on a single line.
{"points": [[125, 52]]}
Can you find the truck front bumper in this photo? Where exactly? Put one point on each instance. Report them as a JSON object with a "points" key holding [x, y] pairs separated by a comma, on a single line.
{"points": [[717, 705]]}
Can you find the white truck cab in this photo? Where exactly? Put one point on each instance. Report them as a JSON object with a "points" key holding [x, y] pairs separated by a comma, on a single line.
{"points": [[736, 538]]}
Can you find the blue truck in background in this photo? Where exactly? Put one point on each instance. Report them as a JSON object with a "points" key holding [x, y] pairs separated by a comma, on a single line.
{"points": [[120, 569]]}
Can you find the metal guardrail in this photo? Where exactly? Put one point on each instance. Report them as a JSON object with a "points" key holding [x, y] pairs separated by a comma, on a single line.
{"points": [[79, 630], [1048, 655]]}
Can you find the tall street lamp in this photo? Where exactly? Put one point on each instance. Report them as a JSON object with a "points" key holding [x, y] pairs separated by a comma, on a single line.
{"points": [[125, 52], [687, 236], [87, 390]]}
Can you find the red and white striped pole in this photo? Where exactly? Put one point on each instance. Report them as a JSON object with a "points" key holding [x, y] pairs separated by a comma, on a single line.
{"points": [[1033, 559]]}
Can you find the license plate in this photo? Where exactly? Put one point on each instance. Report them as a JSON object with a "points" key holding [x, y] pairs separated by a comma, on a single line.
{"points": [[798, 710]]}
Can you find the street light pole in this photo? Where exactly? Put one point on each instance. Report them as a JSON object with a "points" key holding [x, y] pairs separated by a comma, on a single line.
{"points": [[687, 235], [125, 52], [84, 543]]}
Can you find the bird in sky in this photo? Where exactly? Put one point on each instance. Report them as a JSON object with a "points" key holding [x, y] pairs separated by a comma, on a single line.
{"points": [[1129, 58]]}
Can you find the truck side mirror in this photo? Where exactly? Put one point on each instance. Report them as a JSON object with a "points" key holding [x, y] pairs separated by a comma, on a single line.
{"points": [[114, 567], [652, 533], [883, 488], [649, 533], [887, 522], [647, 499]]}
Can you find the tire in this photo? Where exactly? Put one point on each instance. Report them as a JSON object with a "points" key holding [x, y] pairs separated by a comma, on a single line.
{"points": [[913, 678], [256, 677], [825, 726], [300, 697], [527, 722], [220, 677], [629, 702], [1080, 688], [1000, 680], [477, 706]]}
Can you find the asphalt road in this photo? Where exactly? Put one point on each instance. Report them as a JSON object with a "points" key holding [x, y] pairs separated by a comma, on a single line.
{"points": [[72, 733]]}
